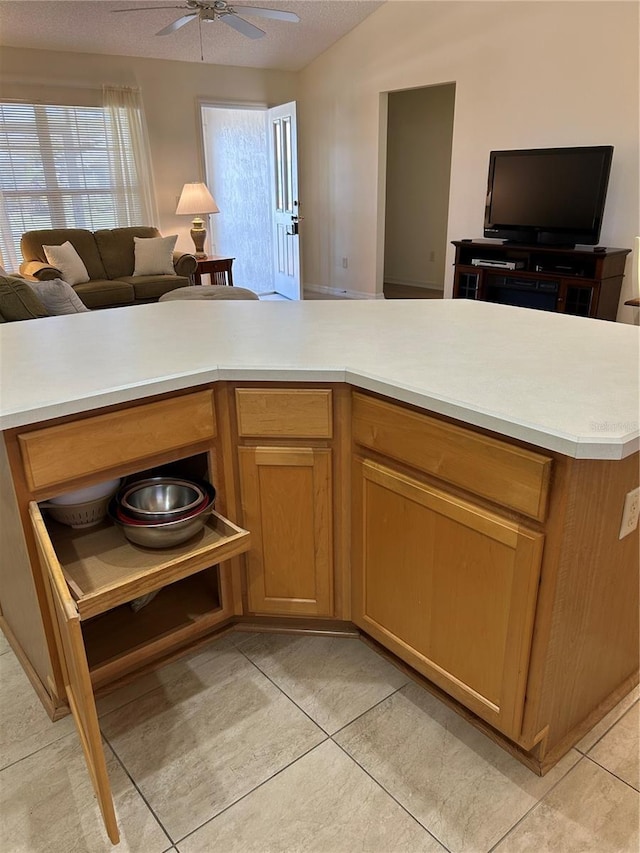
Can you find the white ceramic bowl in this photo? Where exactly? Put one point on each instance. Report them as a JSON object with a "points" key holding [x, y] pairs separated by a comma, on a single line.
{"points": [[91, 493]]}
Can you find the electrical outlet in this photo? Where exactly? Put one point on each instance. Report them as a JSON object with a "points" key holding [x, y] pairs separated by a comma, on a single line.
{"points": [[630, 513], [345, 263], [432, 256]]}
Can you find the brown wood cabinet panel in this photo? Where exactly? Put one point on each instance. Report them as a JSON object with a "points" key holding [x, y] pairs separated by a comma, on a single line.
{"points": [[287, 413], [508, 475], [587, 637], [448, 586], [61, 453], [286, 501], [77, 681]]}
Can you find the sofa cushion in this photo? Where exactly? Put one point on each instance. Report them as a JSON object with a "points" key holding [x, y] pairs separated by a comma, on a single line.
{"points": [[116, 249], [68, 261], [103, 293], [83, 241], [58, 297], [154, 255], [18, 301], [151, 287]]}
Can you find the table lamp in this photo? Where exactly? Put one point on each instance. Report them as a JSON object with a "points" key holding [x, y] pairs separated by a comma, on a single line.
{"points": [[196, 199]]}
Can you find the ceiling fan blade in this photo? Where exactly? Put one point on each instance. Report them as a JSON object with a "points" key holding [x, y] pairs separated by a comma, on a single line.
{"points": [[146, 8], [243, 26], [275, 14], [177, 24]]}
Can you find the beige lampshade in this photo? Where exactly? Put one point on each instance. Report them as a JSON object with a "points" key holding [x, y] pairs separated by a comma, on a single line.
{"points": [[196, 199]]}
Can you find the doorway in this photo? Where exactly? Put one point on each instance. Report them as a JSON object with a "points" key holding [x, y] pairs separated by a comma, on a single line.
{"points": [[237, 173], [250, 158], [418, 169]]}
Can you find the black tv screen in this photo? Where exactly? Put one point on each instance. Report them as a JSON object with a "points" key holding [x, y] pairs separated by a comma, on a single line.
{"points": [[547, 195]]}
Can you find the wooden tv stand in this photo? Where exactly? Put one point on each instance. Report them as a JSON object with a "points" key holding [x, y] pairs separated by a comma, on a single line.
{"points": [[584, 281]]}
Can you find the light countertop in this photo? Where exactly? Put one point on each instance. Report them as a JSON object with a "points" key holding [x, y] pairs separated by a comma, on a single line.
{"points": [[562, 383]]}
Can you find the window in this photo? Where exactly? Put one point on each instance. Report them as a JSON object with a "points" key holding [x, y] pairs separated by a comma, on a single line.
{"points": [[55, 172]]}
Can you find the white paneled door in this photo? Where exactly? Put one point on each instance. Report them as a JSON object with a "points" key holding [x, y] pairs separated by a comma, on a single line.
{"points": [[285, 205]]}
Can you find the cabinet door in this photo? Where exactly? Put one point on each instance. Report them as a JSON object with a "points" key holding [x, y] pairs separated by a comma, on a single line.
{"points": [[77, 681], [286, 500], [448, 586]]}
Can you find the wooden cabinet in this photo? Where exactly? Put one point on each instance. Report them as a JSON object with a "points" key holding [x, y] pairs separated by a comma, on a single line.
{"points": [[287, 505], [441, 577], [496, 572], [287, 499], [447, 585], [585, 281], [491, 568], [88, 577]]}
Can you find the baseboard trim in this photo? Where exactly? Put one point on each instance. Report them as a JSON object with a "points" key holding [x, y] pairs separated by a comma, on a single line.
{"points": [[345, 294], [421, 285]]}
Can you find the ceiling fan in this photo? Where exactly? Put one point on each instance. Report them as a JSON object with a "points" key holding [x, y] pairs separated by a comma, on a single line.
{"points": [[209, 11]]}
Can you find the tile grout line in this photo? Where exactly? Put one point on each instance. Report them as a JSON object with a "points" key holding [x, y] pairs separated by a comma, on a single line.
{"points": [[389, 794], [151, 689], [606, 732], [536, 804], [172, 841], [259, 785], [286, 695], [329, 734], [611, 773], [40, 748]]}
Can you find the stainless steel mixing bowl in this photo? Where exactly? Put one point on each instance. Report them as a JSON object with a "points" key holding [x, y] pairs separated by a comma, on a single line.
{"points": [[164, 533], [160, 498]]}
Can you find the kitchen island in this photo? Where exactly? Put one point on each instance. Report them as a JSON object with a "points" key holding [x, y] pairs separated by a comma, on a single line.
{"points": [[446, 477]]}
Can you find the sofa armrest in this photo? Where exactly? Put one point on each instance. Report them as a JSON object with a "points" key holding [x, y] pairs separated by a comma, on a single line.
{"points": [[184, 264], [39, 270]]}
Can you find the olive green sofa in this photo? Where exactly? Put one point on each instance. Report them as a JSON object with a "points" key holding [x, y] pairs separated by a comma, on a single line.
{"points": [[109, 257]]}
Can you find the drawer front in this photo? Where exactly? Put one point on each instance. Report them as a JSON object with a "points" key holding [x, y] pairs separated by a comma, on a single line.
{"points": [[508, 475], [75, 449], [291, 413]]}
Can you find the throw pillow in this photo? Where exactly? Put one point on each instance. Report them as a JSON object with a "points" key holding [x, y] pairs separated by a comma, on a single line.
{"points": [[58, 297], [68, 261], [154, 255], [18, 301]]}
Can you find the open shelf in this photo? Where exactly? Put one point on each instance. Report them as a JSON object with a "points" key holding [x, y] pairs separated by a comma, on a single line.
{"points": [[121, 639]]}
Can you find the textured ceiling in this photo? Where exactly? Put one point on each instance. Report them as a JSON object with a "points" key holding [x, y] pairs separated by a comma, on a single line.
{"points": [[91, 27]]}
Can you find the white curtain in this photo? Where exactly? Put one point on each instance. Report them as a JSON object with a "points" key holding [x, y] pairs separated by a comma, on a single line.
{"points": [[8, 258], [130, 157]]}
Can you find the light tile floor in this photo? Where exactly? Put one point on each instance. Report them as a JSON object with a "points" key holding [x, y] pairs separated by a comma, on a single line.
{"points": [[274, 743]]}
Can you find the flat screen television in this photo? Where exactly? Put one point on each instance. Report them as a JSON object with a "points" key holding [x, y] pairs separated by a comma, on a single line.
{"points": [[552, 196]]}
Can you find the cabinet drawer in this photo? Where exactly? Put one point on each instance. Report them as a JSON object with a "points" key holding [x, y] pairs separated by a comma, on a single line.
{"points": [[508, 475], [291, 413], [61, 453]]}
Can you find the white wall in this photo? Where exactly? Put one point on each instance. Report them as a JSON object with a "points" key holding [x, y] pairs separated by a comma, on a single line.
{"points": [[170, 92], [527, 74], [420, 124]]}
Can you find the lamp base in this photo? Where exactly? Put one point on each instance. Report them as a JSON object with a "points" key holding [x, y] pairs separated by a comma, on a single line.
{"points": [[198, 235]]}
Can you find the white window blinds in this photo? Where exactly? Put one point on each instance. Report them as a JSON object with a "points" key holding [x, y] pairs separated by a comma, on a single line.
{"points": [[55, 172]]}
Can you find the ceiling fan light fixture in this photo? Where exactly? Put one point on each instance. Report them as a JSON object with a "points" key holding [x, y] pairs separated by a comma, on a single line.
{"points": [[209, 11]]}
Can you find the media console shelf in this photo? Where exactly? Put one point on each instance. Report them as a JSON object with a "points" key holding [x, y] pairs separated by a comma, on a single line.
{"points": [[585, 281]]}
